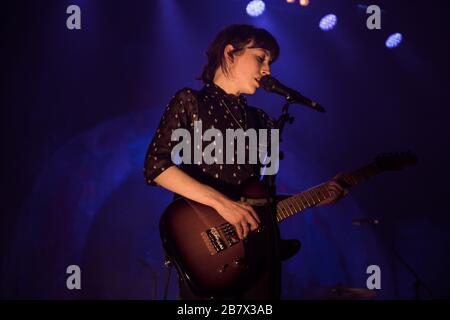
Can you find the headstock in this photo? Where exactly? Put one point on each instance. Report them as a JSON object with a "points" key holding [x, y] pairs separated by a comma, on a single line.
{"points": [[395, 161]]}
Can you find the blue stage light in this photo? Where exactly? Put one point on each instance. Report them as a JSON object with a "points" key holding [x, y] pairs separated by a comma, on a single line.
{"points": [[255, 8], [328, 22], [394, 40]]}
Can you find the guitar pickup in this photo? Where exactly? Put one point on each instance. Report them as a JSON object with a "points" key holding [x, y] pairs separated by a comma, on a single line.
{"points": [[230, 233], [214, 241]]}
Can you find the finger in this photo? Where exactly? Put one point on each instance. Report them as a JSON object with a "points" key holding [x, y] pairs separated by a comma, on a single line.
{"points": [[249, 217], [338, 192], [338, 176], [334, 194], [246, 229], [239, 232], [333, 190], [252, 221], [336, 185], [253, 213], [256, 216]]}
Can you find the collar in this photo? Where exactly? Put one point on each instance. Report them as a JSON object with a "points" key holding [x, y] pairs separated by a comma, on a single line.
{"points": [[214, 89]]}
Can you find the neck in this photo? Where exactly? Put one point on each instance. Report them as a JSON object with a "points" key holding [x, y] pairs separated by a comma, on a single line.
{"points": [[225, 84]]}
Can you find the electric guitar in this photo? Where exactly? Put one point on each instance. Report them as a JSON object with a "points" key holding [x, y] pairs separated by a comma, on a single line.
{"points": [[205, 248]]}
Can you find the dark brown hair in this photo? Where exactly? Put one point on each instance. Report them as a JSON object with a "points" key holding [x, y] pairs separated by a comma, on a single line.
{"points": [[239, 36]]}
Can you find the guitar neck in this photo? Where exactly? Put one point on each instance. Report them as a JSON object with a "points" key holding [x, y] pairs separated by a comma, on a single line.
{"points": [[312, 197]]}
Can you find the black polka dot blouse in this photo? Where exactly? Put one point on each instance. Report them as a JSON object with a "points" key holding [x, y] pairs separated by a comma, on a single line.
{"points": [[215, 109]]}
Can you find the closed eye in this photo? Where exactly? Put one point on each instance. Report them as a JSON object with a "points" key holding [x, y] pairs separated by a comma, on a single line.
{"points": [[260, 59]]}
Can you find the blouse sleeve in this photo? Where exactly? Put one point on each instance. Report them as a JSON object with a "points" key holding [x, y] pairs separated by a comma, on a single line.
{"points": [[176, 115]]}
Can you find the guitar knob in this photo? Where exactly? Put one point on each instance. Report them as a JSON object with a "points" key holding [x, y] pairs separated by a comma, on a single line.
{"points": [[240, 262], [222, 268]]}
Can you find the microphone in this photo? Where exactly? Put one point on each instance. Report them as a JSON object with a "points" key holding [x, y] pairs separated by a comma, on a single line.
{"points": [[271, 84], [359, 222]]}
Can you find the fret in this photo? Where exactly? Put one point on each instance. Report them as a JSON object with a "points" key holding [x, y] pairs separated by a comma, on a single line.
{"points": [[310, 201], [290, 209], [281, 212], [308, 193], [322, 191], [300, 202], [296, 203], [304, 199], [329, 193], [311, 194], [280, 216], [286, 208], [313, 191], [288, 205], [283, 209], [296, 208], [317, 194]]}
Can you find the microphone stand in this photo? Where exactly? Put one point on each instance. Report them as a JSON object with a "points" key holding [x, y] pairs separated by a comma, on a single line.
{"points": [[281, 121], [418, 283], [269, 180]]}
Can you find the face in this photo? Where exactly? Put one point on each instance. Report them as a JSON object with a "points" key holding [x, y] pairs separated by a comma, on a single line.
{"points": [[247, 69]]}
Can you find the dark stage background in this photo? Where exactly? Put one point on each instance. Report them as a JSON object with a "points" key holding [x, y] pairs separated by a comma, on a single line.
{"points": [[80, 106]]}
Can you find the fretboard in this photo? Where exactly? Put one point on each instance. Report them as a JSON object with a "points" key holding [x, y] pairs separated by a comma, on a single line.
{"points": [[312, 197]]}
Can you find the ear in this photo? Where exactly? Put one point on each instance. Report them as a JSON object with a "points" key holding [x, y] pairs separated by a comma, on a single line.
{"points": [[228, 53]]}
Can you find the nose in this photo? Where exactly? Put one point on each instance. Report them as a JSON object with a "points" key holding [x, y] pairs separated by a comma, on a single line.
{"points": [[265, 70]]}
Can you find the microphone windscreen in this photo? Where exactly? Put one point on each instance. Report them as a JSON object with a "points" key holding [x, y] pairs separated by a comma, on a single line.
{"points": [[267, 83]]}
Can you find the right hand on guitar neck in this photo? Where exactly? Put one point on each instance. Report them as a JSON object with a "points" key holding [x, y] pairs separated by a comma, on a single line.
{"points": [[240, 214]]}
